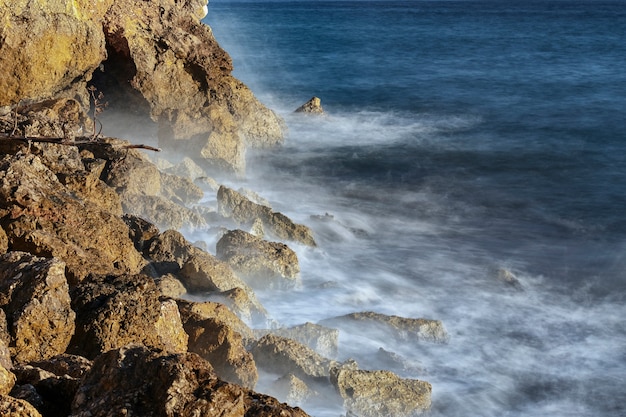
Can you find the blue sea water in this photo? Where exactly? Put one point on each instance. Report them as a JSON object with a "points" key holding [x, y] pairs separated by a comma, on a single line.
{"points": [[461, 139]]}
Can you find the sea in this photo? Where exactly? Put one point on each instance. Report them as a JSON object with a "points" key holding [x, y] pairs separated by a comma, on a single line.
{"points": [[470, 167]]}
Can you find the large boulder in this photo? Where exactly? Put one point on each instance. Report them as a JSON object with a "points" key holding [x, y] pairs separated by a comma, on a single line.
{"points": [[245, 212], [217, 312], [137, 381], [14, 407], [42, 216], [45, 47], [183, 79], [113, 311], [35, 295], [261, 263], [381, 393]]}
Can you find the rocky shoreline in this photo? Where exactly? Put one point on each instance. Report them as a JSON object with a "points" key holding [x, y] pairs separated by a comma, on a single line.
{"points": [[99, 289]]}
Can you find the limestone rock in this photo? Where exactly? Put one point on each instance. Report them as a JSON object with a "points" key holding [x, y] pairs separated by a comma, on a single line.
{"points": [[187, 168], [141, 231], [381, 393], [244, 304], [14, 407], [168, 252], [7, 380], [136, 381], [217, 312], [291, 389], [223, 348], [323, 340], [183, 77], [396, 327], [282, 355], [204, 272], [164, 213], [46, 46], [244, 212], [35, 294], [113, 311], [180, 189], [261, 263], [42, 216], [170, 286], [314, 106], [170, 329]]}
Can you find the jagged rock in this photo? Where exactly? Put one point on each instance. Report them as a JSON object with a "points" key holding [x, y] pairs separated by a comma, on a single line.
{"points": [[7, 380], [291, 389], [509, 278], [50, 393], [34, 292], [385, 326], [4, 241], [168, 252], [381, 393], [164, 213], [244, 304], [141, 231], [223, 347], [282, 355], [204, 272], [48, 46], [136, 381], [187, 168], [65, 364], [244, 212], [314, 105], [323, 340], [180, 189], [260, 263], [170, 328], [14, 407], [170, 286], [42, 216], [89, 187], [217, 312], [113, 311], [183, 79]]}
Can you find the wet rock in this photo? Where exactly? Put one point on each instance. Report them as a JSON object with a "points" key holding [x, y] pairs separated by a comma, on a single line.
{"points": [[42, 216], [14, 407], [314, 106], [323, 340], [34, 292], [507, 277], [381, 393], [136, 381], [223, 347], [384, 326], [244, 212], [260, 263], [217, 312], [113, 311], [184, 82], [283, 356], [7, 380], [244, 304], [291, 389]]}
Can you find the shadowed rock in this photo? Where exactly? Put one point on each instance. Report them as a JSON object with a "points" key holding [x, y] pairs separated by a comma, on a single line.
{"points": [[136, 381]]}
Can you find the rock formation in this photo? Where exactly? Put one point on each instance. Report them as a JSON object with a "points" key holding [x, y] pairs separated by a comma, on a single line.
{"points": [[314, 106]]}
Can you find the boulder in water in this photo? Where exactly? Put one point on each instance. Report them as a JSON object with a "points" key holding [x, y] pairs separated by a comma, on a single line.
{"points": [[313, 106]]}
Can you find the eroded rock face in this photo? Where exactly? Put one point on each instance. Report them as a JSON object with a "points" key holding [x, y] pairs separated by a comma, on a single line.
{"points": [[35, 293], [381, 393], [244, 212], [261, 263], [137, 381], [46, 46], [183, 75]]}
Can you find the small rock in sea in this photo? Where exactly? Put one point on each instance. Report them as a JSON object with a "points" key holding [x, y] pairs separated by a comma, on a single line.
{"points": [[314, 105]]}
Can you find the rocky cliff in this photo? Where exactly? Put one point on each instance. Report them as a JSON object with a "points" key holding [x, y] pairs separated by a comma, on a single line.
{"points": [[153, 61]]}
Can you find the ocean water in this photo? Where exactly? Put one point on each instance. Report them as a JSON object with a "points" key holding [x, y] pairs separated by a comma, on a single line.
{"points": [[461, 139]]}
